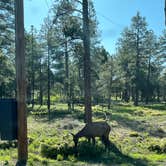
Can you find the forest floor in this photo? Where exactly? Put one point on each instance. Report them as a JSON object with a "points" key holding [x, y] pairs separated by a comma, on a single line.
{"points": [[138, 137]]}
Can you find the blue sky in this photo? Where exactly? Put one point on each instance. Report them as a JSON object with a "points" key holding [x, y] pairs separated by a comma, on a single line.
{"points": [[113, 16]]}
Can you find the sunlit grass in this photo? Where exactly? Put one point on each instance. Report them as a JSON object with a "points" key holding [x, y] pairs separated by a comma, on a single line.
{"points": [[137, 136]]}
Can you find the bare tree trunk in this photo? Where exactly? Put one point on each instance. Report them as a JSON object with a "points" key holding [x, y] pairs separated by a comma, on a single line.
{"points": [[158, 93], [87, 67], [132, 94], [48, 81], [67, 75], [116, 94], [41, 89], [21, 83], [33, 71], [109, 101], [148, 82], [137, 71]]}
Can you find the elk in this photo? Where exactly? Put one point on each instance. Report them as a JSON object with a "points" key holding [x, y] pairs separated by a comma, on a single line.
{"points": [[92, 130]]}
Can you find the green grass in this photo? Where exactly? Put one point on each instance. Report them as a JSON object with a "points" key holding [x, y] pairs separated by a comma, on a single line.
{"points": [[138, 137]]}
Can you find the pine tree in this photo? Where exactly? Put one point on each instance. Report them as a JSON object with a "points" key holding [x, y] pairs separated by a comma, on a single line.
{"points": [[7, 58]]}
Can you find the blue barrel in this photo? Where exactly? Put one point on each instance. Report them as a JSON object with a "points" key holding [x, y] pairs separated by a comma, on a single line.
{"points": [[8, 119]]}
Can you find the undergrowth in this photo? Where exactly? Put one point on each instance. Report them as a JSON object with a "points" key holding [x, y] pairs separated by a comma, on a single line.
{"points": [[137, 137]]}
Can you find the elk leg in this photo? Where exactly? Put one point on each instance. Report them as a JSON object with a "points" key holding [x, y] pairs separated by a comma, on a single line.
{"points": [[89, 139], [94, 141]]}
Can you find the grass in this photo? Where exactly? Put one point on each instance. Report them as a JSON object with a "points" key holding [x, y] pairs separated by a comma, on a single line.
{"points": [[138, 137]]}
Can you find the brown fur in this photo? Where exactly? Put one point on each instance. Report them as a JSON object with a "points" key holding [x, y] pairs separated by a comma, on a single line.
{"points": [[92, 130]]}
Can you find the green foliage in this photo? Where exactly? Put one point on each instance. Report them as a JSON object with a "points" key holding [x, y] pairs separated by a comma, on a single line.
{"points": [[132, 140], [89, 151], [72, 158], [48, 151], [59, 151], [134, 134], [158, 147], [59, 157], [155, 148], [8, 144]]}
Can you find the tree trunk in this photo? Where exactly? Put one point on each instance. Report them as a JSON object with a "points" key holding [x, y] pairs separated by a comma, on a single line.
{"points": [[22, 142], [29, 99], [148, 81], [132, 94], [72, 93], [87, 67], [158, 93], [67, 75], [33, 71], [109, 101], [48, 79], [126, 91], [41, 89], [116, 94], [137, 71]]}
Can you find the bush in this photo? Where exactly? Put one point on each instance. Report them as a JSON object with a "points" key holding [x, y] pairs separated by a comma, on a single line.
{"points": [[155, 148], [48, 151], [72, 158], [159, 147], [60, 157], [134, 134], [8, 144], [53, 151], [86, 150], [164, 148]]}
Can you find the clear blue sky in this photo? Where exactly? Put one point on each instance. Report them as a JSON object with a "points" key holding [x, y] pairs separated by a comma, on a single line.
{"points": [[113, 16]]}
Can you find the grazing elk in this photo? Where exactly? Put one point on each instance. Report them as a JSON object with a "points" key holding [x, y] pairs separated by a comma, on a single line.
{"points": [[92, 130]]}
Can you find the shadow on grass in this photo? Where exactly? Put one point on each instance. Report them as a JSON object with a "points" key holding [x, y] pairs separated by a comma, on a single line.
{"points": [[159, 107], [91, 154], [54, 114], [138, 126], [58, 114], [98, 155], [123, 109]]}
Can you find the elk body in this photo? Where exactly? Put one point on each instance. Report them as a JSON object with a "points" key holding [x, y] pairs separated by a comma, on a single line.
{"points": [[92, 130]]}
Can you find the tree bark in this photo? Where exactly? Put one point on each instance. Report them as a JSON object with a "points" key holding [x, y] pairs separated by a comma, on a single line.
{"points": [[21, 84], [137, 70], [148, 82], [67, 75], [33, 71], [158, 93], [48, 81], [41, 89], [87, 65], [109, 101]]}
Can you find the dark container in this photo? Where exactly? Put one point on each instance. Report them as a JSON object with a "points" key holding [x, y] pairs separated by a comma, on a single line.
{"points": [[8, 119]]}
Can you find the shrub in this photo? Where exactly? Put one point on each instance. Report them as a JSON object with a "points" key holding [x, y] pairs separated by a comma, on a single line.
{"points": [[134, 134], [60, 157], [72, 158], [155, 147], [86, 150], [48, 151], [52, 151], [8, 144], [164, 148]]}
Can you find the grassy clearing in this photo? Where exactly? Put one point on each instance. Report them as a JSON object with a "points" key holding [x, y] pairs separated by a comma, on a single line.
{"points": [[138, 137]]}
